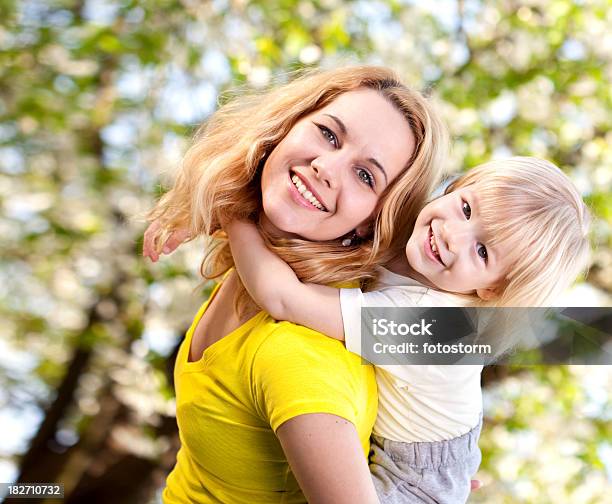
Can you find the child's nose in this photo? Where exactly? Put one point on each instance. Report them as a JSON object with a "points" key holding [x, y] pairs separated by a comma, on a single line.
{"points": [[456, 234]]}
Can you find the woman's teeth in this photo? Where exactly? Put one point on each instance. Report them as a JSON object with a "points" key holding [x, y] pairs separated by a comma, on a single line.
{"points": [[306, 194]]}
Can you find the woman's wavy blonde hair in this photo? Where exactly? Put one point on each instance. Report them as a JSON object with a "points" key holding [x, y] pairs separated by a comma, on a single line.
{"points": [[220, 176], [532, 205]]}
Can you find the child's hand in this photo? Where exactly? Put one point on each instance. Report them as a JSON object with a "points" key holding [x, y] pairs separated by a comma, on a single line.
{"points": [[152, 245]]}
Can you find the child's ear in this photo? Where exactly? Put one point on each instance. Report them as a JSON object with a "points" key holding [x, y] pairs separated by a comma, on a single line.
{"points": [[486, 294]]}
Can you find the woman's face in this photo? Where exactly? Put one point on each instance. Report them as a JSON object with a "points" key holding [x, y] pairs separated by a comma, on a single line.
{"points": [[325, 177]]}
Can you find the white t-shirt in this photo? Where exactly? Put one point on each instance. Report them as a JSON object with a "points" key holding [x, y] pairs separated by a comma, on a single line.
{"points": [[415, 402]]}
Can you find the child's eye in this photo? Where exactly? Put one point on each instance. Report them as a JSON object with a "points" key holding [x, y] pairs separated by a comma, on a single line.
{"points": [[329, 135], [365, 176], [467, 210], [482, 251]]}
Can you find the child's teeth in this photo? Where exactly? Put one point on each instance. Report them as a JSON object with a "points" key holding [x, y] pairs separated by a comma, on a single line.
{"points": [[301, 189], [432, 242]]}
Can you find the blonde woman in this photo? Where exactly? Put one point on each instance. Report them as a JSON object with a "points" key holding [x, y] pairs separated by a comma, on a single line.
{"points": [[270, 411]]}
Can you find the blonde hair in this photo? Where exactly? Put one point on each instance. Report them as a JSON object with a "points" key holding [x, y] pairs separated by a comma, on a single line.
{"points": [[531, 203], [220, 175]]}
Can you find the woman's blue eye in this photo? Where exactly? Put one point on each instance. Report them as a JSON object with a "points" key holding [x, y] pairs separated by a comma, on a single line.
{"points": [[467, 210], [329, 135], [482, 251], [365, 176]]}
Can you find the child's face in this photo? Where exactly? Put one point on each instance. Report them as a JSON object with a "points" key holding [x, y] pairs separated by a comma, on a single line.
{"points": [[448, 246]]}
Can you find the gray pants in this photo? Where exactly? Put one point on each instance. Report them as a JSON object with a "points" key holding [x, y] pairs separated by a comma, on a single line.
{"points": [[434, 473]]}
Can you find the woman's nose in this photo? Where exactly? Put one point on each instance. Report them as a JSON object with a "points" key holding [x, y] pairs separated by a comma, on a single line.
{"points": [[327, 169]]}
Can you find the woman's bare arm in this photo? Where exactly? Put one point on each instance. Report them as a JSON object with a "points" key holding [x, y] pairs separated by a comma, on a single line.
{"points": [[274, 286], [327, 459]]}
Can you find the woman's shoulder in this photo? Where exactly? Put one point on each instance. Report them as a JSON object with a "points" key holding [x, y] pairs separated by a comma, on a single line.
{"points": [[282, 337], [296, 371], [297, 348]]}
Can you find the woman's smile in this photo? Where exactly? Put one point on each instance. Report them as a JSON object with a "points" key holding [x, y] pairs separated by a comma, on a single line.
{"points": [[304, 194], [324, 178]]}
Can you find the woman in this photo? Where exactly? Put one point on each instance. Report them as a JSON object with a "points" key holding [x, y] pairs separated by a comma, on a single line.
{"points": [[321, 163]]}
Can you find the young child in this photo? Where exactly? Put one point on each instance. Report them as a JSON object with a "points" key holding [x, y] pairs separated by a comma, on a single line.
{"points": [[507, 233]]}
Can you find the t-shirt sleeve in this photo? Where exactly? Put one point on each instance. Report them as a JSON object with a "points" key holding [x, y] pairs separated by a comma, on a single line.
{"points": [[297, 371], [352, 300]]}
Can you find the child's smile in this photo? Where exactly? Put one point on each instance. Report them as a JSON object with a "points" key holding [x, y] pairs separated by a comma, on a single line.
{"points": [[432, 246], [448, 249]]}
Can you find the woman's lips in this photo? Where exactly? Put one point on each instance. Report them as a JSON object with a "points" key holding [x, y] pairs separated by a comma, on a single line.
{"points": [[297, 196]]}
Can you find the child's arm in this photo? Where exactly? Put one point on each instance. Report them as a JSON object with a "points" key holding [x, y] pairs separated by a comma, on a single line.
{"points": [[274, 286]]}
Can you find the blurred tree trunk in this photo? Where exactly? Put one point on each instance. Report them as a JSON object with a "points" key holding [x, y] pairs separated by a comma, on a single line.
{"points": [[125, 478], [96, 470], [103, 472], [44, 458]]}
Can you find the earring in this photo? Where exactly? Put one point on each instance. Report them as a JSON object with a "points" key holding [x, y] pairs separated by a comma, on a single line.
{"points": [[351, 240]]}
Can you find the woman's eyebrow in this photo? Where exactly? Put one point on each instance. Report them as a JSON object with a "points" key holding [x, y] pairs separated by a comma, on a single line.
{"points": [[338, 122], [380, 167], [344, 132]]}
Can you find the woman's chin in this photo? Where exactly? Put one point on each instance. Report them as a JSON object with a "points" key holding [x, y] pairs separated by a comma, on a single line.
{"points": [[281, 224], [287, 221], [286, 228], [282, 220]]}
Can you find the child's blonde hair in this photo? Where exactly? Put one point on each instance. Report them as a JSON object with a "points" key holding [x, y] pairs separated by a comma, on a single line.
{"points": [[531, 203], [220, 174]]}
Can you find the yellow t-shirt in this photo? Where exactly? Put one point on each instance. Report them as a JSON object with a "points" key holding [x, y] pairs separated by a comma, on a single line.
{"points": [[245, 386]]}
